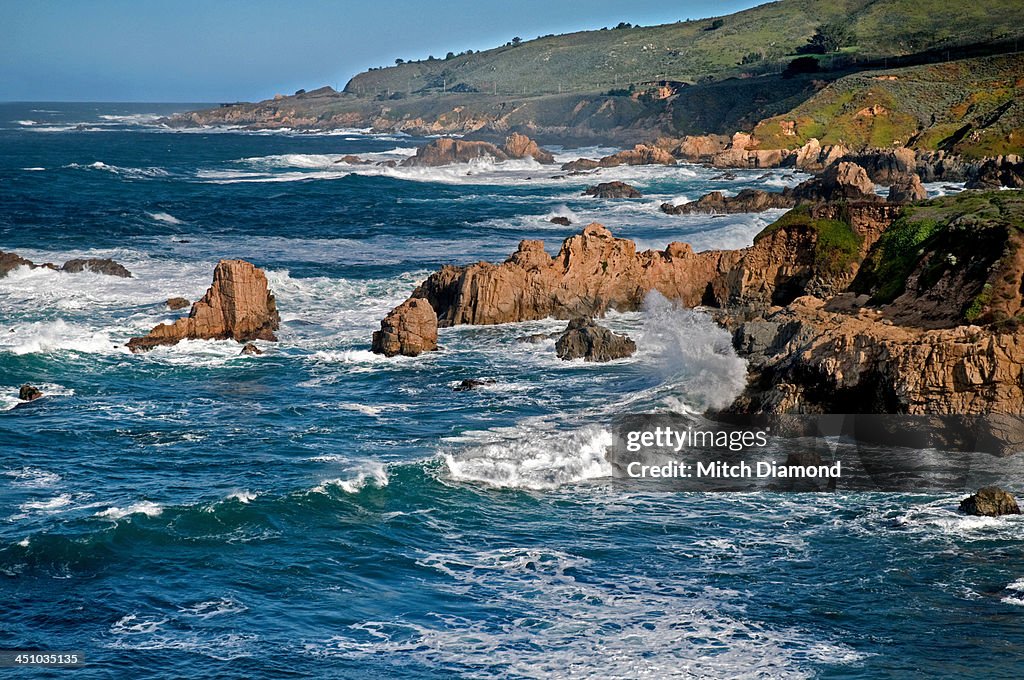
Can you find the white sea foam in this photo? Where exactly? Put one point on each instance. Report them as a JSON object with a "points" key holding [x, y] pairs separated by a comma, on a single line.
{"points": [[632, 626], [34, 169], [534, 459], [48, 505], [243, 496], [134, 624], [33, 478], [212, 608], [372, 474], [147, 508], [131, 173], [54, 336], [164, 217], [693, 352], [1016, 589]]}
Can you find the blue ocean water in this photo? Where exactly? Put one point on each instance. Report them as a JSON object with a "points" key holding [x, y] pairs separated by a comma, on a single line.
{"points": [[320, 511]]}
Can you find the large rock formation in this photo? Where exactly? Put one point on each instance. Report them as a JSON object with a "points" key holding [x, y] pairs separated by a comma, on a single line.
{"points": [[843, 181], [238, 306], [410, 329], [747, 200], [612, 190], [584, 339], [990, 501], [446, 151]]}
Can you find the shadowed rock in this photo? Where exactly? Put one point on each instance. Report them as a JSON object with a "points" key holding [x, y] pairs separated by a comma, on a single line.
{"points": [[907, 189], [990, 501], [29, 393], [410, 329], [96, 265], [584, 339], [473, 383], [559, 219], [613, 190], [238, 306], [251, 350]]}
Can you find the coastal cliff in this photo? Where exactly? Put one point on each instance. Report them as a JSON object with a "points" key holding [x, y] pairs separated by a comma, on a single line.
{"points": [[865, 307]]}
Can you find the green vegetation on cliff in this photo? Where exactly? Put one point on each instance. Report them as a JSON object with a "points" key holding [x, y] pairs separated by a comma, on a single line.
{"points": [[973, 107], [836, 244], [964, 251], [765, 37]]}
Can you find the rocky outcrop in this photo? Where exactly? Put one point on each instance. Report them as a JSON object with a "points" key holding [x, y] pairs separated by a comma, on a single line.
{"points": [[641, 154], [520, 146], [613, 190], [561, 220], [990, 501], [96, 265], [473, 383], [813, 157], [584, 339], [1003, 171], [29, 393], [840, 182], [907, 189], [11, 261], [592, 273], [251, 350], [409, 330], [238, 306], [176, 303], [747, 200], [447, 151]]}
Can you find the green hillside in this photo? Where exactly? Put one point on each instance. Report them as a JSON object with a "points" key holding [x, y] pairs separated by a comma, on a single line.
{"points": [[973, 107], [766, 37]]}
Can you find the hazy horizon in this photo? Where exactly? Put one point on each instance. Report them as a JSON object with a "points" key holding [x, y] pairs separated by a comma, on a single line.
{"points": [[118, 51]]}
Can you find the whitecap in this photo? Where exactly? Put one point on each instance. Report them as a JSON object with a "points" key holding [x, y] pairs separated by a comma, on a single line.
{"points": [[164, 217], [371, 474], [147, 508]]}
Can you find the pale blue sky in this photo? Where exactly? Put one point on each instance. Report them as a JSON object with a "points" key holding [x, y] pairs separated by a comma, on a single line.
{"points": [[225, 50]]}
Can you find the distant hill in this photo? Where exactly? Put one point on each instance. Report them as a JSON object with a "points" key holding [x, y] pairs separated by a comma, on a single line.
{"points": [[766, 37], [973, 107], [928, 67]]}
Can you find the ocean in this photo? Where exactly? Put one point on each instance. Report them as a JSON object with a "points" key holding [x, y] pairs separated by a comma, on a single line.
{"points": [[321, 511]]}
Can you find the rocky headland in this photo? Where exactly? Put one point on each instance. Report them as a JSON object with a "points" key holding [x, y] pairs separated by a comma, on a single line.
{"points": [[838, 307]]}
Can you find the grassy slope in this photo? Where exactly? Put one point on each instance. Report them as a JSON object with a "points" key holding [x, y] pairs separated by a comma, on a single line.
{"points": [[928, 107], [599, 60]]}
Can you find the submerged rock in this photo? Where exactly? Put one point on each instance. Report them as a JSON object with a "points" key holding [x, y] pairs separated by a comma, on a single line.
{"points": [[584, 339], [990, 501], [473, 383], [410, 329], [176, 303], [29, 393], [251, 349], [613, 190], [238, 306], [96, 265]]}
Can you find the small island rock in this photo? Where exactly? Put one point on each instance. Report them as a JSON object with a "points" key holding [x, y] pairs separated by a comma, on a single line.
{"points": [[584, 339], [990, 501]]}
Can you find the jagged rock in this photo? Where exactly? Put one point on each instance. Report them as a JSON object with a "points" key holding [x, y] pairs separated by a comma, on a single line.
{"points": [[562, 220], [747, 200], [520, 146], [29, 393], [581, 165], [410, 329], [238, 306], [96, 265], [176, 303], [446, 151], [473, 383], [584, 339], [251, 349], [907, 189], [1002, 171], [613, 190], [11, 261], [812, 157], [990, 501], [641, 154], [842, 181]]}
